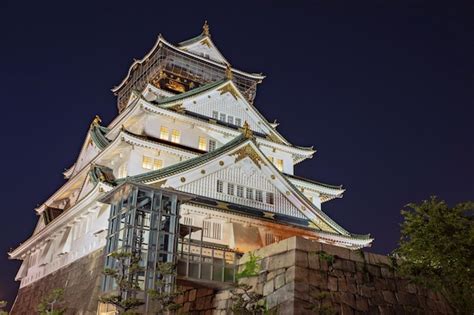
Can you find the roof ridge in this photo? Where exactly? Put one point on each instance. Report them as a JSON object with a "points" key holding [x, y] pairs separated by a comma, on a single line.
{"points": [[313, 181]]}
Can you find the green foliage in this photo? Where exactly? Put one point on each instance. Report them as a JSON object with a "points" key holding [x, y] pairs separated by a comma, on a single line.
{"points": [[124, 299], [437, 250], [165, 292], [327, 257], [251, 267], [319, 303], [51, 304], [3, 304], [247, 302]]}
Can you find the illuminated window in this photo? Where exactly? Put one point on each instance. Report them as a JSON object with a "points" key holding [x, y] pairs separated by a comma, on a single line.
{"points": [[249, 193], [202, 143], [122, 171], [175, 136], [238, 122], [230, 120], [222, 117], [270, 198], [215, 115], [212, 145], [230, 189], [164, 133], [150, 163], [271, 159], [240, 191], [147, 162], [279, 164], [157, 164], [220, 186], [212, 230], [259, 195]]}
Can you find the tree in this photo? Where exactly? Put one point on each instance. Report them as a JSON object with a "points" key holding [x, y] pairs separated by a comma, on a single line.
{"points": [[437, 250], [165, 292], [3, 304], [124, 297], [51, 304]]}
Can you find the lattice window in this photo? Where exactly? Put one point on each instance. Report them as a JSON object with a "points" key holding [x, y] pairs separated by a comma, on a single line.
{"points": [[269, 238], [188, 221], [216, 230], [240, 191], [230, 189], [212, 145], [230, 119], [222, 117], [206, 228], [215, 115], [164, 133], [202, 143], [238, 121], [259, 195], [270, 198], [175, 136], [249, 193], [220, 186]]}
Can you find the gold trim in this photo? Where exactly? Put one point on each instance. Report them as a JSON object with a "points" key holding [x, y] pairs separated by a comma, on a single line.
{"points": [[206, 29], [250, 152], [269, 215], [205, 42], [229, 88]]}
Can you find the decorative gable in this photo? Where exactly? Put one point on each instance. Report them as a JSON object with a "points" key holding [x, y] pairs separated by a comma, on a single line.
{"points": [[205, 48]]}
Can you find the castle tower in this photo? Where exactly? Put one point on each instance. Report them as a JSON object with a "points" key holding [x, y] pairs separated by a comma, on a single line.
{"points": [[186, 122]]}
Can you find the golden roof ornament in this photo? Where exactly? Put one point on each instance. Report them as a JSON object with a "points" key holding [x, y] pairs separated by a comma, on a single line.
{"points": [[205, 29], [246, 131], [96, 121], [228, 72]]}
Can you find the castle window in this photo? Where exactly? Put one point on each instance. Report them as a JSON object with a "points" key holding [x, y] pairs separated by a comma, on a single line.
{"points": [[212, 145], [222, 117], [259, 195], [230, 119], [279, 164], [249, 193], [202, 143], [215, 115], [150, 163], [269, 238], [164, 133], [220, 186], [212, 230], [122, 171], [187, 221], [240, 191], [270, 198], [238, 121], [230, 189], [175, 136]]}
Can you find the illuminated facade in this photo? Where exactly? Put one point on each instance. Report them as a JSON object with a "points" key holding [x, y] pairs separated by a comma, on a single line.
{"points": [[187, 122]]}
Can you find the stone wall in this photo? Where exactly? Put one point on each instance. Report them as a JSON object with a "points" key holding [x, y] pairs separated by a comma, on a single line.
{"points": [[299, 276], [81, 283]]}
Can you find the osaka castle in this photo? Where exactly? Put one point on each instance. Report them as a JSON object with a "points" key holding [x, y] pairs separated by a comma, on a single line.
{"points": [[188, 170]]}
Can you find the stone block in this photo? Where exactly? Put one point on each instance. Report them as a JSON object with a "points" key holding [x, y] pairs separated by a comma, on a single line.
{"points": [[272, 249], [346, 310], [380, 260], [356, 255], [366, 290], [279, 281], [203, 292], [407, 299], [280, 295], [348, 299], [313, 261], [351, 285], [192, 295], [389, 297], [374, 270], [340, 252], [345, 265], [318, 279], [296, 274], [268, 288], [283, 260], [362, 304], [301, 258], [222, 295], [332, 283], [303, 244], [272, 274], [387, 272], [386, 310]]}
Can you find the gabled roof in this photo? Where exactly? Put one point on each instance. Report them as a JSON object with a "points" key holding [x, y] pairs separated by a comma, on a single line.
{"points": [[239, 146], [161, 41], [223, 86]]}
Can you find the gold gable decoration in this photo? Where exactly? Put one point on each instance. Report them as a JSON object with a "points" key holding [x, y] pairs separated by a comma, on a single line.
{"points": [[228, 72], [229, 88], [205, 42], [205, 29], [96, 122], [248, 151]]}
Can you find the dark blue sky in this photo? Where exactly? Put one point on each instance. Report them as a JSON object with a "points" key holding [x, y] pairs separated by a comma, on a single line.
{"points": [[383, 90]]}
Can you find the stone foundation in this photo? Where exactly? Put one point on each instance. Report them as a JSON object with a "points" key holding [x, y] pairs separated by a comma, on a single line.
{"points": [[297, 276], [81, 283]]}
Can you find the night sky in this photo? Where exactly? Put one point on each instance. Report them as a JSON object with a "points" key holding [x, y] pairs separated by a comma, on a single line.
{"points": [[382, 89]]}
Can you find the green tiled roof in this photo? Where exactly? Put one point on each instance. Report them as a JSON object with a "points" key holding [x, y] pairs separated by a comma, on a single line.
{"points": [[314, 182], [98, 133], [185, 165]]}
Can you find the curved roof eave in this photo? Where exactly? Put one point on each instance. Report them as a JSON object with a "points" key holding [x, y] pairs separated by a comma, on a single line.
{"points": [[163, 41]]}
